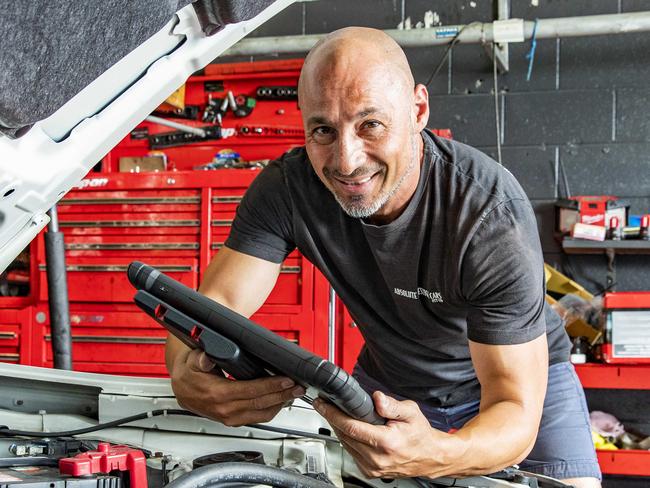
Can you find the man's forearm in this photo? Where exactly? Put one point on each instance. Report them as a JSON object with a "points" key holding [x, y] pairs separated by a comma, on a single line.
{"points": [[498, 437], [513, 386]]}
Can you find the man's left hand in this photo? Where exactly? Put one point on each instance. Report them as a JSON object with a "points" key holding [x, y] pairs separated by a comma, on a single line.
{"points": [[406, 446]]}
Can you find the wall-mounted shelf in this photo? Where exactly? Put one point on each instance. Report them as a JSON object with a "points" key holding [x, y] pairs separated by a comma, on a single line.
{"points": [[624, 462], [583, 246], [610, 248], [615, 376]]}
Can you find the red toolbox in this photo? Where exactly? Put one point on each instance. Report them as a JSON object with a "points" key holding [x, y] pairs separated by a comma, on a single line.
{"points": [[627, 327]]}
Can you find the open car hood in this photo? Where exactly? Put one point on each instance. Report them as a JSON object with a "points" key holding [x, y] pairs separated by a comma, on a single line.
{"points": [[45, 400], [152, 49]]}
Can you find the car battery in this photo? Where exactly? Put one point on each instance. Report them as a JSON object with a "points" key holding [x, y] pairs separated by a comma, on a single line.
{"points": [[592, 210], [627, 327], [50, 477]]}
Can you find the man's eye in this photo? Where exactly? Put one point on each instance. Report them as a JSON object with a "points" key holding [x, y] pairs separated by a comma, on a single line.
{"points": [[371, 124], [322, 131], [323, 134]]}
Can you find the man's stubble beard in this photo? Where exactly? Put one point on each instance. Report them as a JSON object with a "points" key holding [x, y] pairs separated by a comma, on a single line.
{"points": [[357, 210]]}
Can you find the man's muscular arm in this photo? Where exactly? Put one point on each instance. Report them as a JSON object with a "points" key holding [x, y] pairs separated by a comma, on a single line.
{"points": [[513, 385], [241, 283]]}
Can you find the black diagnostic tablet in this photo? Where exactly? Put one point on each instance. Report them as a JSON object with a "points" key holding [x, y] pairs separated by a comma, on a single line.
{"points": [[239, 346]]}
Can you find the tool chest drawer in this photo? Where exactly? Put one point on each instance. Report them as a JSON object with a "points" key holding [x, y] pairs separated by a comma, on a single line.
{"points": [[9, 342], [104, 279], [113, 345], [117, 339], [14, 335], [130, 201], [131, 223], [226, 200], [140, 247]]}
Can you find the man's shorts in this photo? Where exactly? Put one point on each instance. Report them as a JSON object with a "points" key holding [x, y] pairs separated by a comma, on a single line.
{"points": [[563, 449]]}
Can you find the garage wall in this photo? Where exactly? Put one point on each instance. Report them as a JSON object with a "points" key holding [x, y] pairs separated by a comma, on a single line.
{"points": [[585, 106]]}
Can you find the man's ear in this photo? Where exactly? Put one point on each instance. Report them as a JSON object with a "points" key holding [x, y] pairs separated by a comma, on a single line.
{"points": [[421, 107]]}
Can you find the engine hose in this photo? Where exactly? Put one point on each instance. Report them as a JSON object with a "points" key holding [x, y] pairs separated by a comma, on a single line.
{"points": [[215, 474]]}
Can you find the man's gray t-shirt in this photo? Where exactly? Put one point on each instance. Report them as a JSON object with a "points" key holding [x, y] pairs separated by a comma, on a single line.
{"points": [[463, 261]]}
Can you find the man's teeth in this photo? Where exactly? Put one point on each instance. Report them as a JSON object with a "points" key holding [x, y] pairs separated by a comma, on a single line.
{"points": [[360, 182]]}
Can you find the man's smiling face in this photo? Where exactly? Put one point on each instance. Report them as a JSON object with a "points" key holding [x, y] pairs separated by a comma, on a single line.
{"points": [[362, 127]]}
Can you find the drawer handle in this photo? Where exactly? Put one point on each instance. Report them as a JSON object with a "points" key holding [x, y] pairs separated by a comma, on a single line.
{"points": [[291, 269], [227, 199], [10, 357], [130, 223], [216, 245], [8, 335], [130, 245], [112, 268], [132, 200], [113, 339], [221, 223]]}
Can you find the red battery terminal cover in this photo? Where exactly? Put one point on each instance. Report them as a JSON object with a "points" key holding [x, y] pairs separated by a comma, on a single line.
{"points": [[108, 458]]}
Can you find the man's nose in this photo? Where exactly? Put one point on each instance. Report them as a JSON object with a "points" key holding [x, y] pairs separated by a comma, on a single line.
{"points": [[349, 154]]}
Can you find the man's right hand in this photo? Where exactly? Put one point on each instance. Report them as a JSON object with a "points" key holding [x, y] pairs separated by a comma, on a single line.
{"points": [[232, 403]]}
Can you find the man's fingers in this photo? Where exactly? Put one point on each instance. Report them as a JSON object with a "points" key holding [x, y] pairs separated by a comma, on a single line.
{"points": [[249, 389], [273, 399], [205, 363], [198, 361], [349, 427], [254, 410], [392, 409]]}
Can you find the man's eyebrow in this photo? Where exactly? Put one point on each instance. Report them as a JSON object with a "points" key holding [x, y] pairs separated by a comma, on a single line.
{"points": [[367, 111], [318, 119]]}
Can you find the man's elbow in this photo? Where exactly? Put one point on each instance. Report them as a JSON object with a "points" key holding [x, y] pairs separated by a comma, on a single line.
{"points": [[530, 430]]}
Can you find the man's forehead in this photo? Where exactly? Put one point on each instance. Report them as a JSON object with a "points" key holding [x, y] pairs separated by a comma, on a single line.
{"points": [[327, 117]]}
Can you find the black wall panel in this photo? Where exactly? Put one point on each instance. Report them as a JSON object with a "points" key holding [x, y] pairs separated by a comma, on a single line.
{"points": [[544, 74], [608, 169], [423, 63], [632, 109], [326, 16], [450, 13], [619, 61], [468, 116], [558, 117]]}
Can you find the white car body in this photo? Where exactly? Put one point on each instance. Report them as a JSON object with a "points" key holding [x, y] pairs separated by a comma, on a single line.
{"points": [[38, 396]]}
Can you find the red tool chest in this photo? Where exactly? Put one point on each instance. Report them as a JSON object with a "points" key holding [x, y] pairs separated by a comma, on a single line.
{"points": [[177, 227], [626, 318]]}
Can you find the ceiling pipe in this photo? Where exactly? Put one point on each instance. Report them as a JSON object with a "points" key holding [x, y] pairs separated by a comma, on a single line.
{"points": [[473, 33]]}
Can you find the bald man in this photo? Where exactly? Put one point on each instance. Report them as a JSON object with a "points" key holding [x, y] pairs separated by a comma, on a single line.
{"points": [[434, 249]]}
